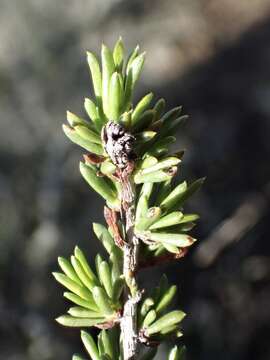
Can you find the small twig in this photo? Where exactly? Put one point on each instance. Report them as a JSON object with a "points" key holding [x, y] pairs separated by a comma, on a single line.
{"points": [[119, 146]]}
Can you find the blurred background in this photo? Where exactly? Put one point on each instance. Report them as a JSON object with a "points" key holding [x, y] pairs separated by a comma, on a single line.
{"points": [[211, 56]]}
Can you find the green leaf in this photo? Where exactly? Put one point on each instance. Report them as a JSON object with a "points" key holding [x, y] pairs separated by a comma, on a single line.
{"points": [[131, 57], [99, 185], [166, 299], [171, 248], [105, 277], [107, 343], [136, 67], [163, 285], [98, 261], [125, 118], [172, 114], [118, 287], [71, 321], [116, 261], [173, 198], [170, 329], [100, 345], [189, 218], [107, 168], [142, 105], [161, 146], [77, 357], [96, 74], [177, 353], [87, 134], [150, 317], [87, 281], [192, 189], [91, 110], [166, 126], [142, 206], [151, 216], [162, 164], [170, 319], [128, 90], [86, 144], [115, 97], [147, 190], [108, 68], [160, 107], [73, 286], [185, 227], [144, 136], [81, 312], [180, 240], [148, 162], [118, 54], [74, 120], [144, 121], [102, 300], [156, 176], [168, 220], [88, 304], [90, 345], [68, 270], [170, 127], [113, 335], [104, 236], [146, 306], [163, 191], [82, 259]]}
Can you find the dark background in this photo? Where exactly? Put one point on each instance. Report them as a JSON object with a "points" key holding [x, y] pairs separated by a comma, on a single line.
{"points": [[211, 56]]}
